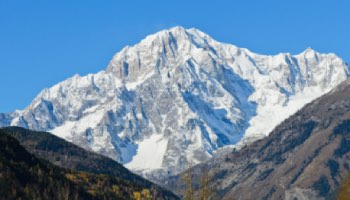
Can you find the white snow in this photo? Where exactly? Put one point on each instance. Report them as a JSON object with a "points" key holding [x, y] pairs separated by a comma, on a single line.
{"points": [[91, 109], [268, 117], [64, 131], [150, 153], [89, 121], [15, 121]]}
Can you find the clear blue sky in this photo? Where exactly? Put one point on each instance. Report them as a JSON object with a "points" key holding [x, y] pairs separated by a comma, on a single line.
{"points": [[44, 42]]}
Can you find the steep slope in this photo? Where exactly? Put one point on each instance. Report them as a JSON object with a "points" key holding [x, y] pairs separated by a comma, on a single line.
{"points": [[178, 96], [67, 155], [305, 157], [23, 176]]}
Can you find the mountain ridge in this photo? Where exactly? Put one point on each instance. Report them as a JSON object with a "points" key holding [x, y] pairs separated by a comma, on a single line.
{"points": [[304, 157], [184, 92]]}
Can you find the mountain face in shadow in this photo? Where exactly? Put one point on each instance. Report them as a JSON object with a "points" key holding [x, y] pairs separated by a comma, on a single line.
{"points": [[305, 157], [23, 176], [54, 169]]}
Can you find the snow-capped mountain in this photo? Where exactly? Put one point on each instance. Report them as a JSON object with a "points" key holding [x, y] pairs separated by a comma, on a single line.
{"points": [[176, 97]]}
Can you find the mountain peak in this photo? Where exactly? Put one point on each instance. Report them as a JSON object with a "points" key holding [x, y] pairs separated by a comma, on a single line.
{"points": [[174, 45], [178, 33], [309, 49], [176, 29], [179, 90], [310, 53]]}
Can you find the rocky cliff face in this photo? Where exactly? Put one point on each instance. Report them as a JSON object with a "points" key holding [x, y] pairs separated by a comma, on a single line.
{"points": [[178, 96], [305, 157]]}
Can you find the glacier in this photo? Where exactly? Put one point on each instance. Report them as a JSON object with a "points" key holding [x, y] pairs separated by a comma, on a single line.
{"points": [[177, 97]]}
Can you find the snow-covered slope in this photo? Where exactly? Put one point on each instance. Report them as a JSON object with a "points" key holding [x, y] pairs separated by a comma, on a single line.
{"points": [[178, 96]]}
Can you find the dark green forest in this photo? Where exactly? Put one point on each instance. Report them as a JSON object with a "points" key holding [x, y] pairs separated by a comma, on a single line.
{"points": [[27, 176]]}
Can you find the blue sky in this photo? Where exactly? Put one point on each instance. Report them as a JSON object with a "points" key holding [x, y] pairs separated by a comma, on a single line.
{"points": [[45, 42]]}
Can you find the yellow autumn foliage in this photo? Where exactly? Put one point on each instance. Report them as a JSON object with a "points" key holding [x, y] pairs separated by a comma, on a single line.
{"points": [[344, 191]]}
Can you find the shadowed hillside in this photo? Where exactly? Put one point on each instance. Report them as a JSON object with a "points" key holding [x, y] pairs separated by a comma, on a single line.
{"points": [[28, 177], [23, 176]]}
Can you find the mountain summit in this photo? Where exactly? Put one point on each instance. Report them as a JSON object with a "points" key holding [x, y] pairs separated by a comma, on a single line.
{"points": [[178, 96]]}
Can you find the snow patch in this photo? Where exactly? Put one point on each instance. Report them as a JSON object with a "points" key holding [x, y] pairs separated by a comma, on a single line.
{"points": [[268, 117], [150, 153], [64, 131]]}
